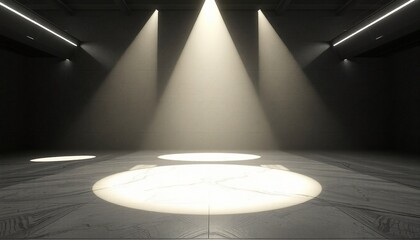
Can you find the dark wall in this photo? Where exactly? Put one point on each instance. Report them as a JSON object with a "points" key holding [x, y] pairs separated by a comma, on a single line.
{"points": [[406, 78], [68, 107], [81, 102], [353, 97], [12, 103]]}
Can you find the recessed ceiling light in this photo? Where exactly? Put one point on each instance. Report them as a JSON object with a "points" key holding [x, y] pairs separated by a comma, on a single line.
{"points": [[374, 22], [37, 23], [30, 37], [379, 37]]}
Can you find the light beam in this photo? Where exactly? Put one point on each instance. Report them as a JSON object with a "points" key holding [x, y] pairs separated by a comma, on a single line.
{"points": [[297, 114], [209, 102], [121, 107]]}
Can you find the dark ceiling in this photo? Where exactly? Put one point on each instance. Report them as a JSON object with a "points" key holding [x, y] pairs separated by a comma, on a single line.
{"points": [[406, 42], [20, 48], [358, 10], [337, 6]]}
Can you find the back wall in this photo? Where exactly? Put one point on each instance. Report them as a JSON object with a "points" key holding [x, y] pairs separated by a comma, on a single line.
{"points": [[108, 95]]}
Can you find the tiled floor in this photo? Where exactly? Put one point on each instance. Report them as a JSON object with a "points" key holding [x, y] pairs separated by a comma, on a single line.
{"points": [[364, 196]]}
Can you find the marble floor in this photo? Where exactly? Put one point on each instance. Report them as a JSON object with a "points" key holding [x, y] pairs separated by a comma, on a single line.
{"points": [[364, 196]]}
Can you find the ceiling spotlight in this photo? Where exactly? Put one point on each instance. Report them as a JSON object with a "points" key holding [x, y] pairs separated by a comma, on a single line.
{"points": [[37, 23], [374, 22]]}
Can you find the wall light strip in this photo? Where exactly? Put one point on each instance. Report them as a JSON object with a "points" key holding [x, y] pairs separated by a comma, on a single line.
{"points": [[374, 22], [36, 23]]}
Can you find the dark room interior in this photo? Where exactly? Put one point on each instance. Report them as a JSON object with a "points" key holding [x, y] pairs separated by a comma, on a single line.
{"points": [[214, 119]]}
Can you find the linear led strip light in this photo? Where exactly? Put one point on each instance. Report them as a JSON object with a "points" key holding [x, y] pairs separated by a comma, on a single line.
{"points": [[374, 22], [36, 23]]}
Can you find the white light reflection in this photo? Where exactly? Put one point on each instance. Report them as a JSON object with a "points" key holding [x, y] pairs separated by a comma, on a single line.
{"points": [[207, 189], [276, 166], [63, 158], [209, 157], [141, 166]]}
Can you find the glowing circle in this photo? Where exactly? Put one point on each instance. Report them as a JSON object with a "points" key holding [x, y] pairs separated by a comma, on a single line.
{"points": [[63, 158], [209, 157], [207, 189]]}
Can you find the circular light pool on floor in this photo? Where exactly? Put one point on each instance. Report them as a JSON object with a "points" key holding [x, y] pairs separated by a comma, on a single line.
{"points": [[209, 157], [207, 189], [63, 158]]}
